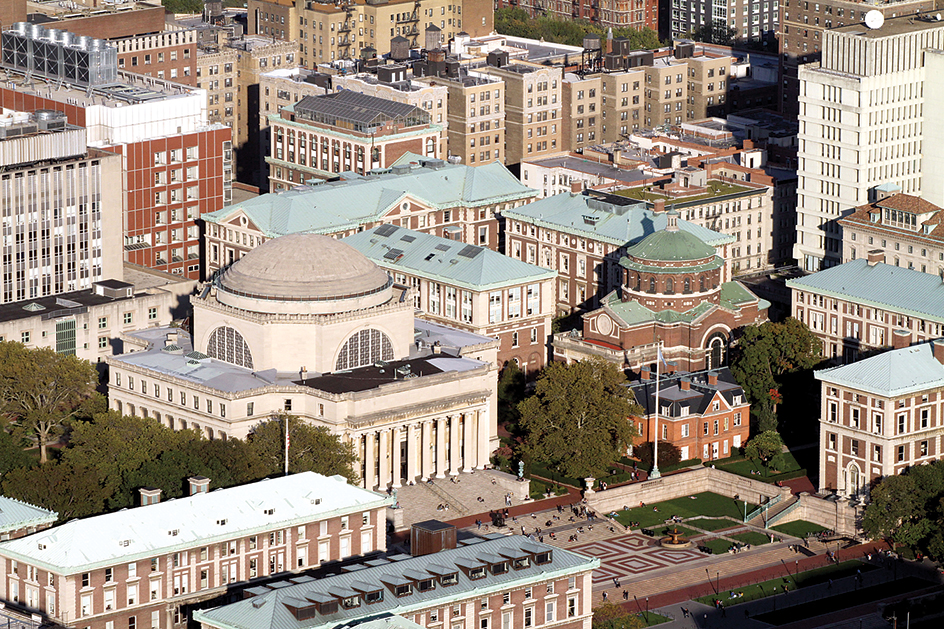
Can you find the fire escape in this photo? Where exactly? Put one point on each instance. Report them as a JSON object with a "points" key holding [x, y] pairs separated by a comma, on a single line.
{"points": [[346, 33], [409, 24]]}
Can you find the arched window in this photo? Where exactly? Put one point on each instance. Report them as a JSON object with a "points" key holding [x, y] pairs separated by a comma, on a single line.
{"points": [[688, 285], [228, 345], [716, 346], [701, 283], [652, 284], [669, 286], [364, 348]]}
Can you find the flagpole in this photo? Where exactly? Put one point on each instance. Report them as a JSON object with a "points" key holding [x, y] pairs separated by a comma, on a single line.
{"points": [[655, 437], [286, 445]]}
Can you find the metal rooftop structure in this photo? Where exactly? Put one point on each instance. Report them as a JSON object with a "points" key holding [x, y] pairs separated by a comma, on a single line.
{"points": [[59, 55], [358, 112]]}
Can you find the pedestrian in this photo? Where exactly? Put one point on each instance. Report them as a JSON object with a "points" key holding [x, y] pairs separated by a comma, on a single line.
{"points": [[830, 586], [724, 611], [604, 596], [625, 595]]}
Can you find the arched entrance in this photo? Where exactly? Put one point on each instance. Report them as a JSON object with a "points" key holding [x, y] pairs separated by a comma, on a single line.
{"points": [[716, 351], [852, 477]]}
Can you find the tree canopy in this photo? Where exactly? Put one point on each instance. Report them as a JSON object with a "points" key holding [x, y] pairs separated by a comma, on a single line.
{"points": [[517, 22], [764, 447], [908, 510], [763, 359], [714, 32], [40, 390], [578, 420], [312, 449]]}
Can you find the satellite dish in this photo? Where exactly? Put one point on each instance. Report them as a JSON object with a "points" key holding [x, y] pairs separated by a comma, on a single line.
{"points": [[874, 19]]}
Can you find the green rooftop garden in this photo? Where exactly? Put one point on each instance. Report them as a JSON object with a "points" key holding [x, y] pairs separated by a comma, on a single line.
{"points": [[653, 193]]}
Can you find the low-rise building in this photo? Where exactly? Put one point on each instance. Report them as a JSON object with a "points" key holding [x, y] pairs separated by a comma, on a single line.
{"points": [[704, 414], [471, 288], [906, 228], [880, 416], [866, 304], [323, 136], [19, 518], [511, 581], [455, 201], [166, 55], [146, 566]]}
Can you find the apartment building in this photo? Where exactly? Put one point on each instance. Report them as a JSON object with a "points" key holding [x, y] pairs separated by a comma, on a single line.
{"points": [[635, 14], [323, 136], [470, 288], [801, 39], [709, 83], [866, 304], [704, 414], [166, 55], [20, 518], [218, 72], [752, 21], [175, 164], [509, 582], [907, 229], [99, 20], [862, 125], [148, 565], [879, 416], [583, 239], [327, 32]]}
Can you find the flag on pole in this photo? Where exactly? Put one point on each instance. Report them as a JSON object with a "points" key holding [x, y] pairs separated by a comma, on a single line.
{"points": [[661, 357]]}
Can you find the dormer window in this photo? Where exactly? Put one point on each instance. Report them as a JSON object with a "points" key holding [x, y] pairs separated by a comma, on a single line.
{"points": [[426, 585], [350, 602], [499, 568], [373, 597], [521, 563], [477, 573], [403, 590], [449, 579], [328, 607], [543, 558], [301, 610]]}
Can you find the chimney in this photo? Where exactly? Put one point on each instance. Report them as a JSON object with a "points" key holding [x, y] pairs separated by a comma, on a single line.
{"points": [[149, 496], [713, 378], [685, 384], [658, 205], [576, 187], [938, 348], [901, 338], [303, 373], [876, 256], [609, 40], [747, 144], [644, 374], [199, 485]]}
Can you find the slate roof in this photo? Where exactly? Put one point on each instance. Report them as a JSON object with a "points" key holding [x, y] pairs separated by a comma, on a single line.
{"points": [[581, 215], [142, 532], [16, 515], [332, 207], [882, 285], [354, 107], [268, 610], [930, 229], [443, 260], [890, 374], [698, 398]]}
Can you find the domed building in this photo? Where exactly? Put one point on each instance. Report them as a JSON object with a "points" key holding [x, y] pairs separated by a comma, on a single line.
{"points": [[308, 325], [673, 291]]}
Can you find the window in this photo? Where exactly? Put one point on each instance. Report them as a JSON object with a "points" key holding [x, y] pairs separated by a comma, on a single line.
{"points": [[364, 348], [128, 318], [152, 314], [923, 448], [25, 337], [228, 345], [102, 323]]}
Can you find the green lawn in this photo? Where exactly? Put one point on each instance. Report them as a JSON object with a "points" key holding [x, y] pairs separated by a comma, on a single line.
{"points": [[539, 488], [798, 528], [817, 576], [780, 464], [706, 503], [717, 545], [714, 525], [751, 537], [647, 193]]}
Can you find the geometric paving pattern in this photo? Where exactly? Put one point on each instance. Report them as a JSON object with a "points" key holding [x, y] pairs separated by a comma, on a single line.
{"points": [[632, 555]]}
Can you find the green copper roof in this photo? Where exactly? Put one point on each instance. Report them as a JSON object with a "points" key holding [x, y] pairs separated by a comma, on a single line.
{"points": [[716, 263], [331, 207], [883, 286], [671, 246], [893, 373], [733, 297], [440, 259], [584, 216]]}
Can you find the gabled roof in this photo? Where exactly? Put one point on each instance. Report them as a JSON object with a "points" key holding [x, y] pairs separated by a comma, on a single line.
{"points": [[142, 532], [583, 216], [698, 398], [881, 285], [15, 515], [890, 374], [331, 207], [441, 259]]}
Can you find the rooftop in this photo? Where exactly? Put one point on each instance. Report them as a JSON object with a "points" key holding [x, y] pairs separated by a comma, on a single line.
{"points": [[359, 112], [697, 398], [54, 306], [716, 190], [333, 207], [124, 536], [733, 297], [591, 167], [450, 261], [374, 376], [906, 23], [317, 602], [893, 373], [882, 285], [16, 515]]}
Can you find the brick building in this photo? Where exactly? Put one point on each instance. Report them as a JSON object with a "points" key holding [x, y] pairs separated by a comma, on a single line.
{"points": [[879, 416], [146, 566], [488, 583], [168, 55], [704, 414], [866, 304], [470, 288], [110, 21], [636, 14]]}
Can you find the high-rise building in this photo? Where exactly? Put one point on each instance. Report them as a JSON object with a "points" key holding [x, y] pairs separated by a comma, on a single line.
{"points": [[636, 14], [862, 125], [750, 20]]}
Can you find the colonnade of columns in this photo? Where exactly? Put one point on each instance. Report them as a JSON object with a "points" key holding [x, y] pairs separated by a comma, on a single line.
{"points": [[423, 449]]}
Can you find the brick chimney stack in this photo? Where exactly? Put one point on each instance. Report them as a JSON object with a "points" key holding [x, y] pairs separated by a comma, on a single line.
{"points": [[199, 485], [938, 347], [901, 338], [876, 256], [576, 187], [644, 374], [658, 205], [149, 496], [712, 378], [685, 384]]}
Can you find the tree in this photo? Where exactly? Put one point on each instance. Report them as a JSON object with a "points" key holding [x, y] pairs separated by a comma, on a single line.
{"points": [[764, 447], [40, 390], [714, 32], [612, 616], [517, 22], [312, 448], [71, 491], [762, 359], [11, 454], [896, 511], [510, 393], [577, 421], [669, 454]]}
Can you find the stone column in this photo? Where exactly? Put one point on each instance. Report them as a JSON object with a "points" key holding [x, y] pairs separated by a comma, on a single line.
{"points": [[395, 446], [384, 456], [481, 417], [426, 445], [441, 447], [454, 445], [369, 463], [469, 446], [411, 452]]}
